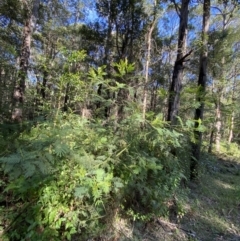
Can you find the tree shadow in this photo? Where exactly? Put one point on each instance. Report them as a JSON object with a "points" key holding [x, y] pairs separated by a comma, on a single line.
{"points": [[214, 203]]}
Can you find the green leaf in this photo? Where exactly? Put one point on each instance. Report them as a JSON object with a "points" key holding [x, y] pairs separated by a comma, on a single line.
{"points": [[52, 216], [68, 236], [120, 85], [29, 169], [61, 149], [100, 173], [80, 192]]}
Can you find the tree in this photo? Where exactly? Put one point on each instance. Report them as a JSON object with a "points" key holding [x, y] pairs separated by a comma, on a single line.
{"points": [[202, 80], [148, 54], [10, 44], [123, 31], [225, 49], [177, 76], [30, 18]]}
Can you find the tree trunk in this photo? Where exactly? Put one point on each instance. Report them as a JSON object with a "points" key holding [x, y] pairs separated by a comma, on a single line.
{"points": [[211, 142], [107, 59], [44, 84], [218, 106], [19, 90], [202, 80], [224, 14], [230, 137], [18, 94], [149, 45], [218, 126], [177, 77], [66, 98], [153, 101], [231, 128]]}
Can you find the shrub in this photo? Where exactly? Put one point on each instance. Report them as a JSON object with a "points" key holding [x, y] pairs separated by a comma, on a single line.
{"points": [[68, 172]]}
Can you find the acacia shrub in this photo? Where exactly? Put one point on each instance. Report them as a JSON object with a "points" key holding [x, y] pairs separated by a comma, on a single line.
{"points": [[150, 171], [67, 174], [69, 171]]}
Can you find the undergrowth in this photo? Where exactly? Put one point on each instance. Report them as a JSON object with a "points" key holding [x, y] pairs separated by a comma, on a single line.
{"points": [[68, 175], [212, 209]]}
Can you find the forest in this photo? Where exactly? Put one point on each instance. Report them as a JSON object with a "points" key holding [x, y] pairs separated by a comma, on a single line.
{"points": [[119, 120]]}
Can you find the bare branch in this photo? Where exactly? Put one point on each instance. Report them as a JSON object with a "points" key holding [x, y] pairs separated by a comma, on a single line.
{"points": [[176, 7], [183, 59]]}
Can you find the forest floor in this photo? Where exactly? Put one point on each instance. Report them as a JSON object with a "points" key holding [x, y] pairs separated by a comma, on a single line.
{"points": [[211, 211]]}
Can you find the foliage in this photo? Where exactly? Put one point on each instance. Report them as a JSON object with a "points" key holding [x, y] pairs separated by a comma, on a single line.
{"points": [[54, 176], [68, 173], [148, 160], [230, 149], [82, 156]]}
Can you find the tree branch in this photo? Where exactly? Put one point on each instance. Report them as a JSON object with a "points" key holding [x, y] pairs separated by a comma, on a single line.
{"points": [[183, 59], [176, 7]]}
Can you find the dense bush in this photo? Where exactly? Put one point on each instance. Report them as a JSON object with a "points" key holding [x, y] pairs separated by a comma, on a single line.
{"points": [[69, 173]]}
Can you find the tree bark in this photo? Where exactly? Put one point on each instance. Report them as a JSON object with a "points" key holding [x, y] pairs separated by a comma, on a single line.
{"points": [[44, 84], [225, 20], [218, 125], [231, 128], [220, 91], [19, 90], [230, 137], [177, 77], [149, 46], [211, 141], [66, 98], [202, 80]]}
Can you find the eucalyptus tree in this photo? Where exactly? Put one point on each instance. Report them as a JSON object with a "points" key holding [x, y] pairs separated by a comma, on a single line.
{"points": [[153, 18], [202, 81], [125, 23], [177, 76], [222, 40], [233, 102], [30, 16], [10, 46], [59, 29]]}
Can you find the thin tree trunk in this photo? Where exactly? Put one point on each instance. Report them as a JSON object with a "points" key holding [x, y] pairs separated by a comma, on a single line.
{"points": [[202, 80], [149, 45], [218, 126], [231, 128], [211, 142], [220, 91], [44, 84], [19, 90], [107, 61], [66, 98], [29, 26], [153, 101], [177, 77], [230, 137]]}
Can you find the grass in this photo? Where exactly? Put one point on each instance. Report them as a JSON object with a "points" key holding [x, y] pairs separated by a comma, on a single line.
{"points": [[214, 212], [211, 210]]}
